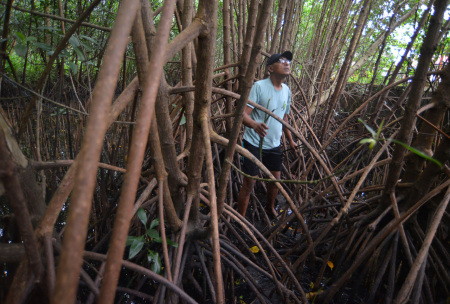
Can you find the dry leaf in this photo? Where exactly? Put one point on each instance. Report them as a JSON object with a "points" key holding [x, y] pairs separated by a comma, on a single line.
{"points": [[254, 249], [330, 264]]}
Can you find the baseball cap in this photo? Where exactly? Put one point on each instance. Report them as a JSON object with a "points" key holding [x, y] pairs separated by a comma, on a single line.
{"points": [[275, 57]]}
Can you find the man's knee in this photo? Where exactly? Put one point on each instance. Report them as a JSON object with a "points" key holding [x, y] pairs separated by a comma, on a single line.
{"points": [[276, 174], [247, 185]]}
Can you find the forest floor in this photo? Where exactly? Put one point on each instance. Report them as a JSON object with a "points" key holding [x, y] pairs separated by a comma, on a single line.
{"points": [[285, 239]]}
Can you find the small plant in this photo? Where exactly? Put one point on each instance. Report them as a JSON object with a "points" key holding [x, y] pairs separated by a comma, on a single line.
{"points": [[77, 49], [376, 138], [151, 235]]}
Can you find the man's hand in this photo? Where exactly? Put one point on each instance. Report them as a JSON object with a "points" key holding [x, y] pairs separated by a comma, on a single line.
{"points": [[294, 147], [260, 128]]}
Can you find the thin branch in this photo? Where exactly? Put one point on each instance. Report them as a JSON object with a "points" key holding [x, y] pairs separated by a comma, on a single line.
{"points": [[54, 17]]}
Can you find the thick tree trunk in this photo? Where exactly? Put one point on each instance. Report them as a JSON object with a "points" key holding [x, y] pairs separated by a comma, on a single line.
{"points": [[429, 128], [415, 97], [85, 179], [17, 182]]}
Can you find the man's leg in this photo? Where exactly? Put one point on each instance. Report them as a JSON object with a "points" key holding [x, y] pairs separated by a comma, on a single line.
{"points": [[272, 192], [244, 194]]}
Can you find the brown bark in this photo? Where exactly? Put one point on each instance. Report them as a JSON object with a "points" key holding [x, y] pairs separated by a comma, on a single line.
{"points": [[427, 132], [167, 143], [406, 289], [85, 178], [186, 74], [428, 176], [227, 60], [415, 97], [136, 156], [326, 194], [206, 43], [154, 141], [11, 253], [9, 176], [28, 206], [3, 44]]}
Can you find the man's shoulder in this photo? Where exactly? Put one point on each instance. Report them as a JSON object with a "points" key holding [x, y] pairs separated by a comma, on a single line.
{"points": [[262, 82], [285, 86]]}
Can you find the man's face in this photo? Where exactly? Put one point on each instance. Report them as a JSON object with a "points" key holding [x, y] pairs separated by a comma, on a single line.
{"points": [[281, 67]]}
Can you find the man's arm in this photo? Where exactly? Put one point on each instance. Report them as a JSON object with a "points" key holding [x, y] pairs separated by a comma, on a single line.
{"points": [[259, 127], [288, 134]]}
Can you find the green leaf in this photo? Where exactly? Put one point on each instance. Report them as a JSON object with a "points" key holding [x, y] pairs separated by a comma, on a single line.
{"points": [[379, 129], [368, 127], [154, 223], [418, 153], [87, 47], [31, 39], [372, 142], [172, 243], [73, 40], [136, 246], [50, 28], [90, 39], [365, 141], [20, 36], [21, 50], [183, 120], [153, 257], [142, 216], [130, 240], [64, 54], [46, 47], [73, 66], [79, 53], [154, 235]]}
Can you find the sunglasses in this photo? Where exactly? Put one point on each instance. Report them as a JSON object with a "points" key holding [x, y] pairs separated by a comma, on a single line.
{"points": [[284, 60]]}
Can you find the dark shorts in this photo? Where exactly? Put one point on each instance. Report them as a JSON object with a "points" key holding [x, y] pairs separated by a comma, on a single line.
{"points": [[271, 158]]}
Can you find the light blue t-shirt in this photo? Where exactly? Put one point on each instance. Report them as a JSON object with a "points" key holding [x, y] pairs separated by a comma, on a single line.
{"points": [[261, 93]]}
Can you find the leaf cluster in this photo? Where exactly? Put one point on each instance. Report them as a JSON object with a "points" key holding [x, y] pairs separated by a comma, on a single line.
{"points": [[151, 236]]}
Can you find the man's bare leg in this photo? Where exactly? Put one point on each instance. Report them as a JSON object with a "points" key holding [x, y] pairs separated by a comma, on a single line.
{"points": [[244, 194], [272, 192]]}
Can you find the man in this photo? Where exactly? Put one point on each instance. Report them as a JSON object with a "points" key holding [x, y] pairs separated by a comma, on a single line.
{"points": [[275, 96]]}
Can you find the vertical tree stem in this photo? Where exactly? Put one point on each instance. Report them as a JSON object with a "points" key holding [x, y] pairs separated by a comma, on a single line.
{"points": [[136, 156], [415, 97], [86, 175]]}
